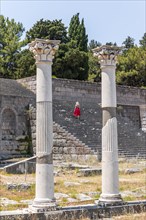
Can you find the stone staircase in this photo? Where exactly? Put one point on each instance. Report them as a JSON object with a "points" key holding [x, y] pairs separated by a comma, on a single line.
{"points": [[131, 139], [87, 128], [65, 144]]}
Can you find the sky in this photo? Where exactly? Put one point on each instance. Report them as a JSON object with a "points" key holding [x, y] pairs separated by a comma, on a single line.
{"points": [[105, 20]]}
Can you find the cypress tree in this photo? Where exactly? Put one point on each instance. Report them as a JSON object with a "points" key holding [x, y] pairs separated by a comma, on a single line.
{"points": [[77, 33]]}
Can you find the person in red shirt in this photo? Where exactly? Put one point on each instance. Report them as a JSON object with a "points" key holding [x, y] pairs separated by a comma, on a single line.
{"points": [[77, 111]]}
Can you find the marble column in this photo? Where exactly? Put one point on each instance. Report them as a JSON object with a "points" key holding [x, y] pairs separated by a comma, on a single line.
{"points": [[44, 51], [110, 177]]}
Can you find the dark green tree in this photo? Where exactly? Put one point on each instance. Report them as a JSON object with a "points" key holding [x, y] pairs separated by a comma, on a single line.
{"points": [[129, 42], [70, 62], [25, 64], [73, 29], [111, 44], [143, 41], [131, 68], [54, 30], [10, 46], [76, 58], [46, 29], [93, 44], [77, 33], [94, 73], [83, 39]]}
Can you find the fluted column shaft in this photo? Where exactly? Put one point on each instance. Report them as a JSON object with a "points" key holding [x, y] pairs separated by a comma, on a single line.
{"points": [[44, 134], [44, 193], [110, 177]]}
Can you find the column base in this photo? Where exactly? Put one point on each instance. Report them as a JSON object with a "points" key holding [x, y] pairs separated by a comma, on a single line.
{"points": [[43, 205], [110, 199]]}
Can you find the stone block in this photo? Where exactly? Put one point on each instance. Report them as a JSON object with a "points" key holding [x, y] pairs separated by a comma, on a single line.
{"points": [[89, 172]]}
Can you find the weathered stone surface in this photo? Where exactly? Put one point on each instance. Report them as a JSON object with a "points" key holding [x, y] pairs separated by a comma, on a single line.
{"points": [[130, 193], [89, 172], [71, 200], [107, 57], [61, 195], [5, 201], [68, 184], [83, 197], [131, 108], [21, 138], [29, 201], [132, 170], [22, 186]]}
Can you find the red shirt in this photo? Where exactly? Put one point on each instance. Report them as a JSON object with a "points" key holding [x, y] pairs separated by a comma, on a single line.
{"points": [[77, 111]]}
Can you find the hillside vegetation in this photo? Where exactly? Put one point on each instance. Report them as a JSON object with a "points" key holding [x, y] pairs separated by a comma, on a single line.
{"points": [[74, 59]]}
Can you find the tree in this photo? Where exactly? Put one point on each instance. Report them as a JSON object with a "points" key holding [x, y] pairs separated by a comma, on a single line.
{"points": [[131, 67], [94, 73], [77, 33], [93, 44], [25, 64], [111, 44], [83, 39], [53, 30], [143, 41], [10, 46], [76, 57], [129, 42], [70, 63]]}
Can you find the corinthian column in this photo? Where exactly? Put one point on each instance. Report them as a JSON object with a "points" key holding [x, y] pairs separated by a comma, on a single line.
{"points": [[110, 178], [44, 51]]}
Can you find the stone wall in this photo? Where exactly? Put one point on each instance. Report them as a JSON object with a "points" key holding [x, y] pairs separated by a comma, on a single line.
{"points": [[14, 100], [130, 113], [73, 89], [131, 99], [143, 117]]}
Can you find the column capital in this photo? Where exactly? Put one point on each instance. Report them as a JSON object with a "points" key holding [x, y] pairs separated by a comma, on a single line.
{"points": [[44, 50], [107, 55]]}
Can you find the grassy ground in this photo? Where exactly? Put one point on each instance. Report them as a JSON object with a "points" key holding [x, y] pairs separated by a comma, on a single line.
{"points": [[135, 183]]}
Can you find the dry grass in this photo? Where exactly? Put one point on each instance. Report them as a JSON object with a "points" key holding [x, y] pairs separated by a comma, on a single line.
{"points": [[128, 182]]}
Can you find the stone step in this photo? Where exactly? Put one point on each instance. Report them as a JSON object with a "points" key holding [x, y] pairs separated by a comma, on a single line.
{"points": [[87, 130]]}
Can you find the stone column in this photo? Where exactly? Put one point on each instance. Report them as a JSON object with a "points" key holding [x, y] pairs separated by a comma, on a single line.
{"points": [[44, 51], [110, 178]]}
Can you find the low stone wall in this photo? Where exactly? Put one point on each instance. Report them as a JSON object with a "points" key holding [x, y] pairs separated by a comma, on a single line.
{"points": [[90, 211], [87, 91]]}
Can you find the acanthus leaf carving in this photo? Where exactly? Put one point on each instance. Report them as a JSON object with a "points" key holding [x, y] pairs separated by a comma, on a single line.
{"points": [[44, 50]]}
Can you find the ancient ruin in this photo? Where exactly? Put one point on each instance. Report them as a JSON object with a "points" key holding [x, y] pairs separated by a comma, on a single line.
{"points": [[28, 129], [107, 56], [44, 51]]}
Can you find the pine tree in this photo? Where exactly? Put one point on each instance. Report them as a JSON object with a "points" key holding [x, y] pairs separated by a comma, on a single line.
{"points": [[143, 41], [10, 46], [129, 42], [53, 30]]}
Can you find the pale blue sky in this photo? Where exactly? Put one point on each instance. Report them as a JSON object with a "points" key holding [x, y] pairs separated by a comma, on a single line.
{"points": [[105, 20]]}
